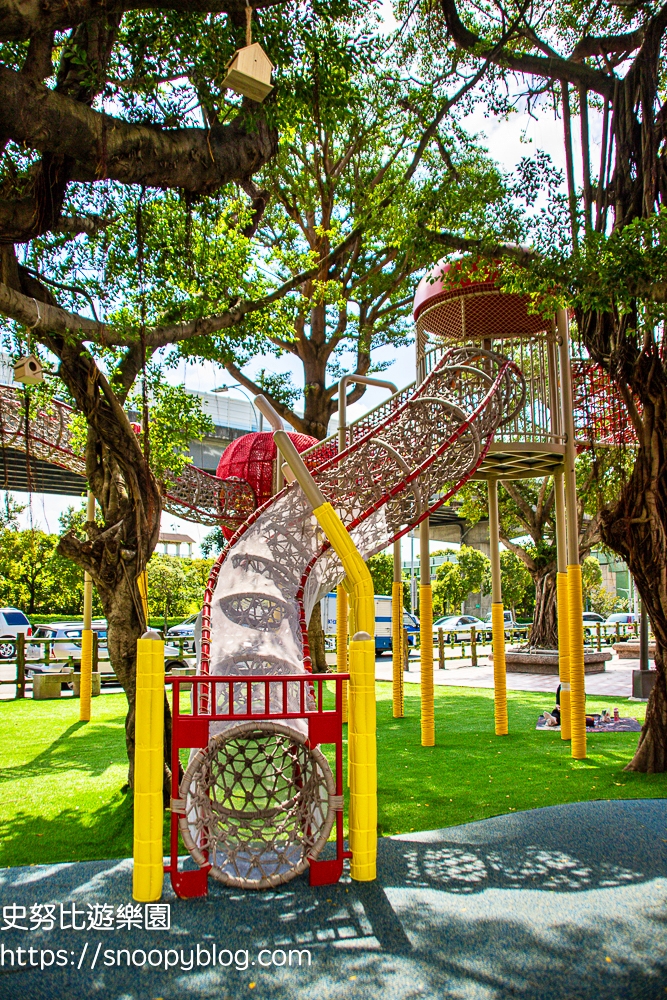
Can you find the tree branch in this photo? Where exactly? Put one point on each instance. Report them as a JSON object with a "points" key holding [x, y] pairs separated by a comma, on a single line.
{"points": [[607, 45], [51, 318], [74, 225], [197, 160], [519, 253], [21, 19], [522, 504], [547, 67], [525, 558], [285, 412]]}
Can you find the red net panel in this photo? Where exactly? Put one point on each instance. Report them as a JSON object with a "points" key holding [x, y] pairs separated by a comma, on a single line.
{"points": [[600, 414], [252, 458]]}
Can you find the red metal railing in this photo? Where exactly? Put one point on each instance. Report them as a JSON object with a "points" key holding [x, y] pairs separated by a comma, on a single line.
{"points": [[298, 696]]}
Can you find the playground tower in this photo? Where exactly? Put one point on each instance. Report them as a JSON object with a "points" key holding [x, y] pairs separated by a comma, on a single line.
{"points": [[451, 310]]}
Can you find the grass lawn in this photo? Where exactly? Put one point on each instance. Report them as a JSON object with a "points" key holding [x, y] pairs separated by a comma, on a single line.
{"points": [[60, 780]]}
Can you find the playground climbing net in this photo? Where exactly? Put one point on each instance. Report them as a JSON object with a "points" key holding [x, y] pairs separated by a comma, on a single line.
{"points": [[260, 804]]}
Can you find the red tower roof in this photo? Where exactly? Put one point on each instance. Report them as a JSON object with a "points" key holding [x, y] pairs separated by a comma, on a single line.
{"points": [[471, 310]]}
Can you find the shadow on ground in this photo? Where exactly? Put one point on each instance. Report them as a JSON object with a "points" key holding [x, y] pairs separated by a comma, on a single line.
{"points": [[71, 833], [88, 752], [564, 903]]}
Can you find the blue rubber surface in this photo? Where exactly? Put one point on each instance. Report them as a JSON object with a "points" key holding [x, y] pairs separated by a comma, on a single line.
{"points": [[564, 903]]}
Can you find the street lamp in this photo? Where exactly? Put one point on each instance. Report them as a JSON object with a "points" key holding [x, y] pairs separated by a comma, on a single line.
{"points": [[235, 385]]}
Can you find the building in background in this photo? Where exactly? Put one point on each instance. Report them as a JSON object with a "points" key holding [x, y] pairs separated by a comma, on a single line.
{"points": [[615, 576], [175, 544]]}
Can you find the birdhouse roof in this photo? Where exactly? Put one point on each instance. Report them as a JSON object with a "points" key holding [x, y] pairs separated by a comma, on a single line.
{"points": [[259, 54]]}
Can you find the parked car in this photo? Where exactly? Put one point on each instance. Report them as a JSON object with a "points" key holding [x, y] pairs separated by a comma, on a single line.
{"points": [[623, 618], [12, 621], [511, 623], [508, 618], [606, 626], [456, 628], [592, 620], [60, 652], [185, 630]]}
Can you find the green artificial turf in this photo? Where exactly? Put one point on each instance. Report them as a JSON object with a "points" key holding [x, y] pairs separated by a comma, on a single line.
{"points": [[472, 774], [61, 780]]}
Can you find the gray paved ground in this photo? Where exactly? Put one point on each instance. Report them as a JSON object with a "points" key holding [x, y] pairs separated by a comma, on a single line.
{"points": [[615, 681], [559, 903]]}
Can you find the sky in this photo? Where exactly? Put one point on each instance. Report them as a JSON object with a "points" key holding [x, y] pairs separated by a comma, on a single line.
{"points": [[507, 141]]}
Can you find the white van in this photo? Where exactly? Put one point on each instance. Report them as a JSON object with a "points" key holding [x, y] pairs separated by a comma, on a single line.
{"points": [[382, 622]]}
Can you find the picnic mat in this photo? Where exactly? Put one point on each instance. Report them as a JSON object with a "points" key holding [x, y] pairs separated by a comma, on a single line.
{"points": [[622, 726]]}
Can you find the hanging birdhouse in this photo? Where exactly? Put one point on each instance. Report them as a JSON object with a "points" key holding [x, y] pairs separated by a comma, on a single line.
{"points": [[249, 73], [28, 370]]}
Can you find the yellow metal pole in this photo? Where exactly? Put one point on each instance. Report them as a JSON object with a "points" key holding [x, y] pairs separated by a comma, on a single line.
{"points": [[497, 616], [86, 668], [426, 637], [574, 592], [562, 608], [362, 747], [397, 635], [362, 740], [341, 641], [147, 875]]}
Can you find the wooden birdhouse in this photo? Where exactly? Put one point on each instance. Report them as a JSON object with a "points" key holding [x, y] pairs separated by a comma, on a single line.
{"points": [[28, 370], [249, 73]]}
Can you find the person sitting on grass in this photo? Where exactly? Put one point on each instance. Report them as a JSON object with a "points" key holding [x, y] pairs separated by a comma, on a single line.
{"points": [[553, 717]]}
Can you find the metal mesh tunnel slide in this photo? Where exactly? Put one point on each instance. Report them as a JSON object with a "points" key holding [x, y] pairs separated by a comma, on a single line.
{"points": [[416, 452]]}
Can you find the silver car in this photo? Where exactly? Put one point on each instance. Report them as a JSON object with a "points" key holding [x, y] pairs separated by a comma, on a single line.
{"points": [[457, 628], [68, 646], [68, 649], [184, 631], [12, 621]]}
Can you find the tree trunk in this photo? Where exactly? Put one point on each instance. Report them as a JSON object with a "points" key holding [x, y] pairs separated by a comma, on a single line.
{"points": [[651, 753], [123, 630], [544, 631], [316, 641], [637, 530]]}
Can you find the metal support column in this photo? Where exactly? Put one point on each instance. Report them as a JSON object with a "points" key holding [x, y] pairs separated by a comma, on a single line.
{"points": [[561, 544], [574, 590], [497, 616], [397, 635], [86, 667], [562, 608], [426, 637]]}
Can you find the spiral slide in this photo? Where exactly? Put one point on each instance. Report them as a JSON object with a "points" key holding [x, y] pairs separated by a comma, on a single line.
{"points": [[410, 457], [403, 461]]}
